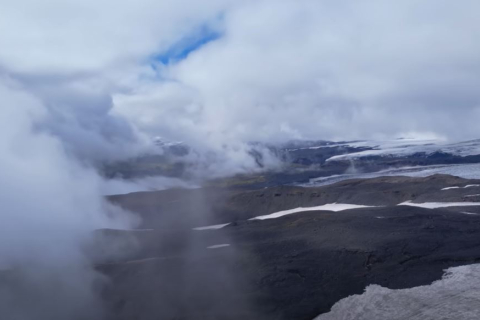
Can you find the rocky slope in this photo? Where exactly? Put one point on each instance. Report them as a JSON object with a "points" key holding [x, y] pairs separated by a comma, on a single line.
{"points": [[294, 267], [193, 207]]}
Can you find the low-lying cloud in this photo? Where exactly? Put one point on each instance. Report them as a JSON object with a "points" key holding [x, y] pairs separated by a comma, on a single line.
{"points": [[51, 204]]}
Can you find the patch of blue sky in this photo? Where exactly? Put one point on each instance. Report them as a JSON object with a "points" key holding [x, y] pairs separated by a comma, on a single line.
{"points": [[193, 42]]}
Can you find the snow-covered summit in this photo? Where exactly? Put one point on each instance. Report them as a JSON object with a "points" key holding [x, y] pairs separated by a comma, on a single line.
{"points": [[406, 147]]}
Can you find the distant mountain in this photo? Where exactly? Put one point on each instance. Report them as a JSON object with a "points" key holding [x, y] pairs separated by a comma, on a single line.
{"points": [[301, 161]]}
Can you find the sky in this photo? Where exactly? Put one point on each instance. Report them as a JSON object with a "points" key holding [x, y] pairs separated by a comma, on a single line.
{"points": [[114, 75]]}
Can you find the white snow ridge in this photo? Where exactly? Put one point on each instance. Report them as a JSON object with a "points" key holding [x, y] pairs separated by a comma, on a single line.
{"points": [[434, 205], [326, 207], [214, 227], [467, 186], [218, 246], [456, 297]]}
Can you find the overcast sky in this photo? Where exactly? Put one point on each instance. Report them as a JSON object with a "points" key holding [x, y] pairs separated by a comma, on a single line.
{"points": [[217, 71]]}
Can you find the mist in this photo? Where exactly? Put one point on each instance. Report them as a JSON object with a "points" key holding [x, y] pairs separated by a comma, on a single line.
{"points": [[51, 204]]}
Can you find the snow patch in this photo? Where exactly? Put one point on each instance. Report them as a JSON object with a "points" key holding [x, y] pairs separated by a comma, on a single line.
{"points": [[217, 246], [434, 205], [327, 207], [449, 188], [455, 296], [467, 171], [406, 147], [467, 186], [145, 260], [398, 147], [214, 227]]}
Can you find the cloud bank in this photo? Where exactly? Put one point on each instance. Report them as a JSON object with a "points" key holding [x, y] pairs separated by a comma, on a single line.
{"points": [[226, 72], [321, 69]]}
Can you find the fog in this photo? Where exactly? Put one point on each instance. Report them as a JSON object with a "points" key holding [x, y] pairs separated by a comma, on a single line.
{"points": [[51, 203]]}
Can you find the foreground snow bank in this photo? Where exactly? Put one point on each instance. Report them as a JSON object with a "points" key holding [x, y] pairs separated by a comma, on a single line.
{"points": [[455, 296]]}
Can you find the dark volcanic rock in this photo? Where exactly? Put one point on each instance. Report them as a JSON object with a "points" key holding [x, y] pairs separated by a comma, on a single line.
{"points": [[309, 261], [294, 267], [207, 206]]}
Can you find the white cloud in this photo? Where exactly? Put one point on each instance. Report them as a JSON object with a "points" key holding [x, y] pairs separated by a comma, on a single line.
{"points": [[280, 70], [74, 36], [324, 69]]}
